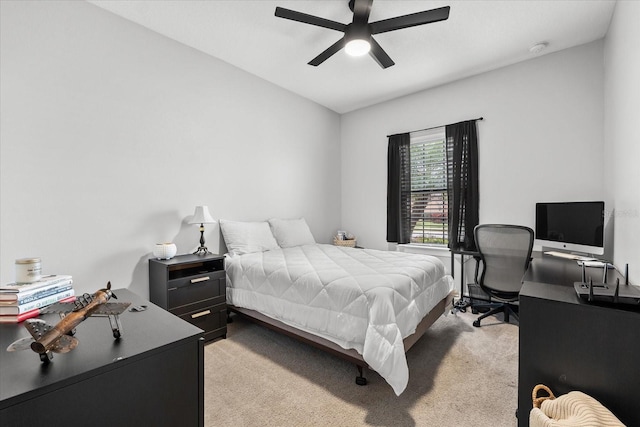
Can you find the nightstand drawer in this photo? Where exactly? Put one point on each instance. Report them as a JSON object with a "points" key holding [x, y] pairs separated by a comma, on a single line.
{"points": [[210, 287], [212, 320]]}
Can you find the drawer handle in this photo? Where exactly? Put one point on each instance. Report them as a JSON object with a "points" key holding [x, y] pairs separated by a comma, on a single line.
{"points": [[200, 279], [202, 313]]}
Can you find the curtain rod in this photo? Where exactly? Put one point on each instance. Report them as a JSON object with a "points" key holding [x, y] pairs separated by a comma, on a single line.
{"points": [[420, 130]]}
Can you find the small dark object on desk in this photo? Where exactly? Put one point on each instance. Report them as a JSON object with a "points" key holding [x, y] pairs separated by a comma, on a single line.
{"points": [[605, 293], [612, 294]]}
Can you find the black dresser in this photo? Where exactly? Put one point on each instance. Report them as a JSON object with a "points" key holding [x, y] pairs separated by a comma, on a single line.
{"points": [[153, 375]]}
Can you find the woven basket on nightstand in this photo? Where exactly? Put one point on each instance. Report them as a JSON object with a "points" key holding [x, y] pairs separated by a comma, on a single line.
{"points": [[351, 243]]}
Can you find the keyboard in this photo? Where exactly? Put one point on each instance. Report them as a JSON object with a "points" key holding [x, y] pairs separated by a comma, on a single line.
{"points": [[570, 256], [597, 264]]}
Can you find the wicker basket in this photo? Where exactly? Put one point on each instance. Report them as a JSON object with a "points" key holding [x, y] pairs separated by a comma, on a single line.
{"points": [[572, 409], [351, 243]]}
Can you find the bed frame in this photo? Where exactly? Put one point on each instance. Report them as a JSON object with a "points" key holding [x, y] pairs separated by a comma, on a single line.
{"points": [[349, 355]]}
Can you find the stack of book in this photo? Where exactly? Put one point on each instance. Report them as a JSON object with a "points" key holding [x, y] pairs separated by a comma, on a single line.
{"points": [[21, 301]]}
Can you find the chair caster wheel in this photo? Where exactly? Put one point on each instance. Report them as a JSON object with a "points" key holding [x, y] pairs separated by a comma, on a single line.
{"points": [[361, 381], [474, 310], [476, 323]]}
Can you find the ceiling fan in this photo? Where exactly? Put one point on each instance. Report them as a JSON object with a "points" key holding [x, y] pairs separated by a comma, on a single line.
{"points": [[357, 39]]}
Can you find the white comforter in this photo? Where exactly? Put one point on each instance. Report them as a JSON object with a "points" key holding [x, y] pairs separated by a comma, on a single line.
{"points": [[364, 299]]}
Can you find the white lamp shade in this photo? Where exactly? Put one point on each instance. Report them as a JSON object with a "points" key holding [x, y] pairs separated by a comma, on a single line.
{"points": [[202, 216]]}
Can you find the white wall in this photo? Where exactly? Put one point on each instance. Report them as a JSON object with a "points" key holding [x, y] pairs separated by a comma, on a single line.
{"points": [[111, 135], [541, 139], [622, 111]]}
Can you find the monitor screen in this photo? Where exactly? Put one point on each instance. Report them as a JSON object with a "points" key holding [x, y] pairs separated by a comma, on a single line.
{"points": [[572, 226]]}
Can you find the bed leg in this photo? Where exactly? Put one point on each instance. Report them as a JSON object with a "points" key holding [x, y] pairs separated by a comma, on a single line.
{"points": [[229, 318], [360, 379]]}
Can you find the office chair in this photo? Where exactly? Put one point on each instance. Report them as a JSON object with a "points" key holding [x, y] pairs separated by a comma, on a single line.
{"points": [[505, 253]]}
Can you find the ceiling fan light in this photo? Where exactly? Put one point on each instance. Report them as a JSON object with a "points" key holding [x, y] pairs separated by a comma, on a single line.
{"points": [[357, 47]]}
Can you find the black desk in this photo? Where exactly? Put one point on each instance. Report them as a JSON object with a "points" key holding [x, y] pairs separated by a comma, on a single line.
{"points": [[569, 344], [561, 271], [154, 375]]}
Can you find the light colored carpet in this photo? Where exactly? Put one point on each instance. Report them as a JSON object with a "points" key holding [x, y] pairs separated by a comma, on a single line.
{"points": [[458, 376]]}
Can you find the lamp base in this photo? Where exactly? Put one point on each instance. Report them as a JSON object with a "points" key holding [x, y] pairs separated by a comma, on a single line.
{"points": [[202, 250]]}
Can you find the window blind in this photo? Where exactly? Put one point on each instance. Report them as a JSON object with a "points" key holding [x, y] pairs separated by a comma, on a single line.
{"points": [[429, 208]]}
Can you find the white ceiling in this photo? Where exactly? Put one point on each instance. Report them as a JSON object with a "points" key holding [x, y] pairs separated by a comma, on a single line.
{"points": [[480, 35]]}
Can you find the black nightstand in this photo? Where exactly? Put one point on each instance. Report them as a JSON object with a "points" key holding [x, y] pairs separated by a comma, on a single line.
{"points": [[192, 287]]}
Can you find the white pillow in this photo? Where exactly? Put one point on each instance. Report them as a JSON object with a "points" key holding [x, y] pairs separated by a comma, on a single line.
{"points": [[247, 237], [291, 232]]}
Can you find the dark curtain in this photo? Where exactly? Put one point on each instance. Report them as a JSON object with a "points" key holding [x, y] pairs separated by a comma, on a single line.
{"points": [[462, 175], [399, 189]]}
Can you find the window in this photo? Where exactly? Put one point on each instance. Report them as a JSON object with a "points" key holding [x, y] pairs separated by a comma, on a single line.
{"points": [[429, 207], [432, 186]]}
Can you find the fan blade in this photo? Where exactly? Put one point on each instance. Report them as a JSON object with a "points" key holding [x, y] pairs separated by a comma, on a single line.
{"points": [[381, 57], [406, 21], [309, 19], [361, 11], [328, 52]]}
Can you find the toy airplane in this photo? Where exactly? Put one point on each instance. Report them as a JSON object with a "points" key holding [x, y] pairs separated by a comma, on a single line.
{"points": [[57, 339]]}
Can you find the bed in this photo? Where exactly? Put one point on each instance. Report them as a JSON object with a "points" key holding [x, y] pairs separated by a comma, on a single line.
{"points": [[367, 306]]}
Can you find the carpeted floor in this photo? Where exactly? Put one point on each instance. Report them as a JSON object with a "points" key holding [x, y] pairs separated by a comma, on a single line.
{"points": [[459, 376]]}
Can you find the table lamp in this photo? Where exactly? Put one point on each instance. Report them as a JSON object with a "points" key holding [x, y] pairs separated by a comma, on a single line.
{"points": [[202, 216]]}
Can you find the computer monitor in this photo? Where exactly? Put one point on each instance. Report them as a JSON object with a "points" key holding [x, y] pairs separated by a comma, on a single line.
{"points": [[571, 226]]}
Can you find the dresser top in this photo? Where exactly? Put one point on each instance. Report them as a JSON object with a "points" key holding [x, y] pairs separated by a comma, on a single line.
{"points": [[144, 333]]}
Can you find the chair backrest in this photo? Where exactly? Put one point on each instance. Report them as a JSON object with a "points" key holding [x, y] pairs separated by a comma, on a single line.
{"points": [[505, 251]]}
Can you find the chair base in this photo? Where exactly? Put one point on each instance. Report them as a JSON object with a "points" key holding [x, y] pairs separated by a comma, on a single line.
{"points": [[506, 308]]}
